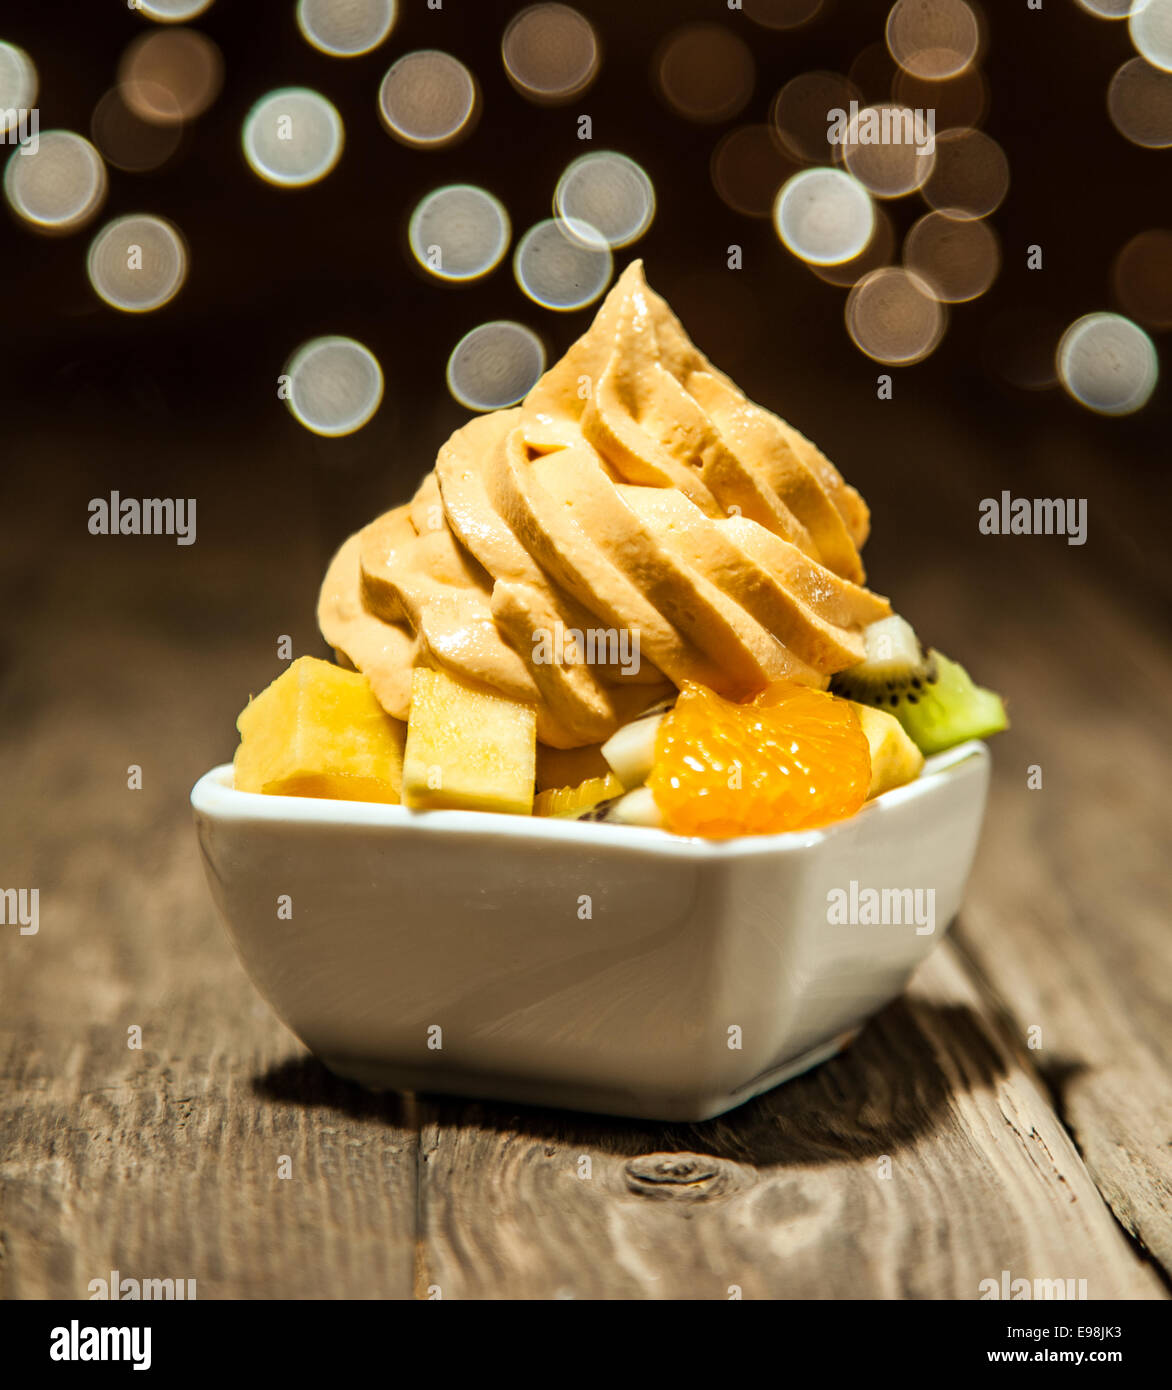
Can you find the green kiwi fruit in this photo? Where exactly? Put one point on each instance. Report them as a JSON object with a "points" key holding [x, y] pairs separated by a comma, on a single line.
{"points": [[949, 709], [895, 665], [932, 697]]}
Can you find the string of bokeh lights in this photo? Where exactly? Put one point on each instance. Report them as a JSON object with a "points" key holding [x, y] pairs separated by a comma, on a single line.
{"points": [[828, 203]]}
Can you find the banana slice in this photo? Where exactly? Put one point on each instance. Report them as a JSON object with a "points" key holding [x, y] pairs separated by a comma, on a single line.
{"points": [[631, 751], [632, 808], [636, 808]]}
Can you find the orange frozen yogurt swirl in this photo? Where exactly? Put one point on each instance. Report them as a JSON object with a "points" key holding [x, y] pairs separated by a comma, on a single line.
{"points": [[635, 502]]}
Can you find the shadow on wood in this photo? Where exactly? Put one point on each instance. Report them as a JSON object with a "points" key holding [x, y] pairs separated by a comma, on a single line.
{"points": [[304, 1081], [878, 1097]]}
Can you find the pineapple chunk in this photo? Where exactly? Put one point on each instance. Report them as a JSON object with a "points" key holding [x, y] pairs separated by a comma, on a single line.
{"points": [[895, 759], [318, 731], [468, 748], [569, 802]]}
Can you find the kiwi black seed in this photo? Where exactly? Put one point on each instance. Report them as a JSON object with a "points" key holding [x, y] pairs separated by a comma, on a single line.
{"points": [[895, 666]]}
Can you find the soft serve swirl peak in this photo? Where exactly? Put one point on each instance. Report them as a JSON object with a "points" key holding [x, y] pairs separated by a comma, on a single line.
{"points": [[636, 493]]}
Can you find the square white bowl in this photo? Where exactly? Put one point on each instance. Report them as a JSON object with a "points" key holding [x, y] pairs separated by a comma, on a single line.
{"points": [[592, 966]]}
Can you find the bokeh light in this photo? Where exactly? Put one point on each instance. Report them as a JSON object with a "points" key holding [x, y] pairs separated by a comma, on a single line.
{"points": [[957, 260], [170, 76], [60, 187], [748, 167], [705, 72], [893, 317], [1139, 100], [171, 11], [126, 140], [1106, 9], [459, 232], [428, 99], [1108, 364], [551, 53], [878, 252], [562, 264], [1142, 277], [1150, 26], [971, 175], [18, 85], [292, 137], [799, 113], [345, 28], [824, 216], [335, 385], [495, 365], [608, 192], [932, 38], [896, 163], [782, 14], [962, 100], [137, 263]]}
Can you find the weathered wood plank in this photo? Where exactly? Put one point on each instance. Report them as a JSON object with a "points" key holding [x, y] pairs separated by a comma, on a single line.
{"points": [[165, 1165], [786, 1197], [160, 1162], [1075, 942], [1068, 915]]}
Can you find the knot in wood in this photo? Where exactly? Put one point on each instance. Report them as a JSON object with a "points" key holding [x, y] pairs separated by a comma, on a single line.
{"points": [[680, 1176]]}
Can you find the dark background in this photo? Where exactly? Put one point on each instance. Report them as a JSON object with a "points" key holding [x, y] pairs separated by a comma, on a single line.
{"points": [[183, 401]]}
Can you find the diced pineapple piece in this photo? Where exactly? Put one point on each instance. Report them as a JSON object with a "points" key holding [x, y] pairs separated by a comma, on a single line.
{"points": [[895, 759], [568, 802], [318, 731], [468, 748]]}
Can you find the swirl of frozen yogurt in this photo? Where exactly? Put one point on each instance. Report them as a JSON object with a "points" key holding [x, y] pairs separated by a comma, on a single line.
{"points": [[636, 522]]}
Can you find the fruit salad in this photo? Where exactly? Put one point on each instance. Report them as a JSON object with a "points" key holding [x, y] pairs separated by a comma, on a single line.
{"points": [[637, 597]]}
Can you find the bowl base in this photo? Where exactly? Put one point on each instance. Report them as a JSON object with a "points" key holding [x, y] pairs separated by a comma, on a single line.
{"points": [[666, 1107]]}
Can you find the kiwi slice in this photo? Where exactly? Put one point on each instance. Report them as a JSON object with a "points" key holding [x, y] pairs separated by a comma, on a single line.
{"points": [[895, 665], [949, 709], [932, 697]]}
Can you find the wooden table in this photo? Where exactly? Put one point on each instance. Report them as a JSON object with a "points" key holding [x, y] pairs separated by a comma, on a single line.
{"points": [[1012, 1113]]}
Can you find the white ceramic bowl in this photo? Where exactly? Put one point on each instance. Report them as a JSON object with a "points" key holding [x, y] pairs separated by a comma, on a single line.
{"points": [[594, 966]]}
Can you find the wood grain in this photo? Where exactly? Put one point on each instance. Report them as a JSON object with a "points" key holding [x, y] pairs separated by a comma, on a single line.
{"points": [[923, 1160], [1067, 920], [1076, 943], [162, 1162]]}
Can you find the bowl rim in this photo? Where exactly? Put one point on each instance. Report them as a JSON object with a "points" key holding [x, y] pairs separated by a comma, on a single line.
{"points": [[215, 798]]}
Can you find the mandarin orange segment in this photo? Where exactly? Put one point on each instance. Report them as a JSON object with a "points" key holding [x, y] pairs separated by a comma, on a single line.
{"points": [[790, 759]]}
